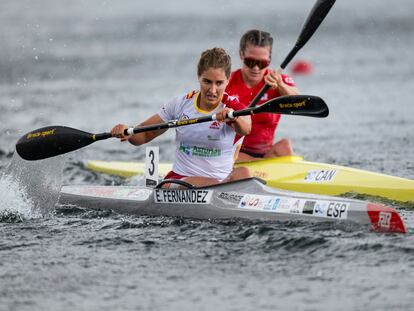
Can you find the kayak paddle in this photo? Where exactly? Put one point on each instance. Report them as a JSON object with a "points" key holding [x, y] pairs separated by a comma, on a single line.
{"points": [[316, 16], [51, 141]]}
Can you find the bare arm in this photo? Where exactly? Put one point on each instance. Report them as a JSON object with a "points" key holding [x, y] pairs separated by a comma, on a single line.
{"points": [[243, 125], [140, 138]]}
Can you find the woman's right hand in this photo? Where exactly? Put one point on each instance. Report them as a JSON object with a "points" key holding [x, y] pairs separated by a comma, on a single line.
{"points": [[118, 132], [274, 79]]}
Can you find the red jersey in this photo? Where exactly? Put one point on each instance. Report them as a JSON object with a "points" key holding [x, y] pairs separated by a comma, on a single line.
{"points": [[264, 125]]}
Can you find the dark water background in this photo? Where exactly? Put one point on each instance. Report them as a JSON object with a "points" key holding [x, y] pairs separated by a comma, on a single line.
{"points": [[91, 64]]}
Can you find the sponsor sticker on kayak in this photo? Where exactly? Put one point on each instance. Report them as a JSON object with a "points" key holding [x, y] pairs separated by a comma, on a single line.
{"points": [[272, 204], [327, 209], [259, 202], [182, 196], [291, 206], [318, 208], [320, 176], [384, 220], [231, 196]]}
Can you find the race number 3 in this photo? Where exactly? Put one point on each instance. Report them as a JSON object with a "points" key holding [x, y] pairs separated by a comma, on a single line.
{"points": [[151, 166]]}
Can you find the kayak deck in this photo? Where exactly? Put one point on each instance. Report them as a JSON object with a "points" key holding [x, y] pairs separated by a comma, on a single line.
{"points": [[295, 174], [248, 198]]}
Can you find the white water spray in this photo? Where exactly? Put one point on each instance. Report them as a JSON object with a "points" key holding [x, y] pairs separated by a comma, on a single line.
{"points": [[30, 189]]}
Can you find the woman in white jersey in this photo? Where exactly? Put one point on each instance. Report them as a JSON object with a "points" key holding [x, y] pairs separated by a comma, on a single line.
{"points": [[204, 153]]}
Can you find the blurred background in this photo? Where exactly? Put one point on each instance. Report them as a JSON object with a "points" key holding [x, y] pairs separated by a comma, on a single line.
{"points": [[92, 64]]}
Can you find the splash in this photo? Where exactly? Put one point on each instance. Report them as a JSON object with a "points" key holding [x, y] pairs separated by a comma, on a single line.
{"points": [[30, 189], [15, 205]]}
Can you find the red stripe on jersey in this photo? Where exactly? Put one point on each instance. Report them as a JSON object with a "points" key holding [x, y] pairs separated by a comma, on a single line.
{"points": [[190, 95], [232, 102]]}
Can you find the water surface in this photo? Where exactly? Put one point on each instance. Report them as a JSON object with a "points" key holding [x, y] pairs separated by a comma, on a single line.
{"points": [[92, 64]]}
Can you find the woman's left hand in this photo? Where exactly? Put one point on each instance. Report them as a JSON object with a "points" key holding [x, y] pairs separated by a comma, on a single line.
{"points": [[118, 132]]}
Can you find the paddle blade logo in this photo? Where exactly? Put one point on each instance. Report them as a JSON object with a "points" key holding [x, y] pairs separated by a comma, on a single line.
{"points": [[297, 105], [40, 134]]}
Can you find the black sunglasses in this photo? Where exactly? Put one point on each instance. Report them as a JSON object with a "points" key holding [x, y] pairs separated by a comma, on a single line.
{"points": [[251, 63]]}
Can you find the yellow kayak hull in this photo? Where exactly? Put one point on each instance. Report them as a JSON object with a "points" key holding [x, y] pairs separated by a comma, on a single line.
{"points": [[295, 174]]}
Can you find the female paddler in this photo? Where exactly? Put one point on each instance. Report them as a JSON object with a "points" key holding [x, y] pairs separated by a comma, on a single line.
{"points": [[204, 152], [245, 83]]}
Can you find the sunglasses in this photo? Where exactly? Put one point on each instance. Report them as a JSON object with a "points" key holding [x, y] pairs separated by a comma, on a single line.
{"points": [[251, 63]]}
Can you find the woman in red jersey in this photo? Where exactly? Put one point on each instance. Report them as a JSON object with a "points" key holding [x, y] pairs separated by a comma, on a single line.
{"points": [[246, 82]]}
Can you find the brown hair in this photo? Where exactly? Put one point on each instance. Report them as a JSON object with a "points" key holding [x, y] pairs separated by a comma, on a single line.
{"points": [[256, 38], [214, 58]]}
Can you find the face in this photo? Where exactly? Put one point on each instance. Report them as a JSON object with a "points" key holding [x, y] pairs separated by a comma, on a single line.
{"points": [[213, 82], [254, 54]]}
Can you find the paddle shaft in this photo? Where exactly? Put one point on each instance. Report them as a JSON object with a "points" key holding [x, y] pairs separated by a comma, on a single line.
{"points": [[51, 141], [170, 124], [316, 16], [178, 123], [304, 105]]}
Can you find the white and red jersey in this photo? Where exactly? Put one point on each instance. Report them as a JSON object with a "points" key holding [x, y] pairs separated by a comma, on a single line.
{"points": [[204, 149], [264, 125]]}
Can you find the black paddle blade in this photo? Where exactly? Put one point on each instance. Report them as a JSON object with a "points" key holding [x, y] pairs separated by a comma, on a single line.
{"points": [[318, 13], [299, 105], [51, 141]]}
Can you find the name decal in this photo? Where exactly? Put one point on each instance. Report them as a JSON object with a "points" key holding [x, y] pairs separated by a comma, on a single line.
{"points": [[176, 196]]}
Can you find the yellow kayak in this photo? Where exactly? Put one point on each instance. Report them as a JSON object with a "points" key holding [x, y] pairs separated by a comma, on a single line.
{"points": [[295, 174]]}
